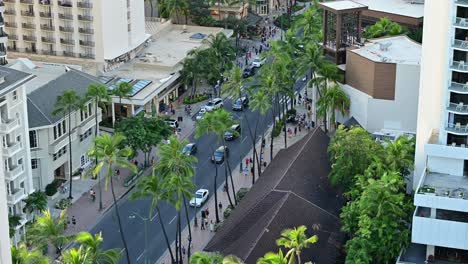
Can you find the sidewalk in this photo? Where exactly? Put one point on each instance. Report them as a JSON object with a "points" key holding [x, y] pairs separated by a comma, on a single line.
{"points": [[200, 238]]}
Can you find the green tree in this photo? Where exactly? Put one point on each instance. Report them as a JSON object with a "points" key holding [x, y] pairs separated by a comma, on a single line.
{"points": [[400, 154], [21, 255], [93, 247], [235, 83], [273, 258], [143, 133], [110, 152], [174, 9], [192, 71], [48, 229], [123, 90], [231, 259], [384, 27], [76, 256], [154, 187], [206, 258], [295, 240], [222, 50], [65, 105], [334, 99], [310, 23], [13, 222], [36, 202]]}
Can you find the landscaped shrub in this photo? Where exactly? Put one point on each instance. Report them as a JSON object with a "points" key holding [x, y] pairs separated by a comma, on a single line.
{"points": [[63, 204], [241, 193], [195, 99], [278, 128], [52, 187], [227, 212]]}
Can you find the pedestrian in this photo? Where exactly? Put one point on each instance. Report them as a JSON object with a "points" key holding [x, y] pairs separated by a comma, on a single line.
{"points": [[289, 132], [220, 205], [247, 162], [136, 163], [73, 220], [300, 125], [251, 161], [252, 171], [117, 172], [295, 131], [246, 171], [211, 226], [202, 227], [92, 194], [183, 251], [225, 188], [203, 215], [171, 106], [207, 212]]}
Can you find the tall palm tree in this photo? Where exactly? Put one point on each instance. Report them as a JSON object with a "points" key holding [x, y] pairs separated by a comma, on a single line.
{"points": [[154, 187], [295, 240], [261, 103], [78, 255], [123, 90], [98, 93], [174, 8], [334, 99], [35, 202], [234, 85], [93, 246], [191, 72], [65, 106], [310, 23], [222, 49], [110, 153], [21, 255], [48, 229]]}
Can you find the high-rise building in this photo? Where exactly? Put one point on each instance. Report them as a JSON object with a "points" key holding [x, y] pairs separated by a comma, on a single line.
{"points": [[3, 36], [105, 31], [5, 256], [440, 222]]}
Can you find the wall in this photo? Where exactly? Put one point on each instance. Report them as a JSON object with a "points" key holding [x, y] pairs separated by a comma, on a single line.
{"points": [[137, 35], [445, 165], [113, 19], [5, 256], [374, 16], [439, 232]]}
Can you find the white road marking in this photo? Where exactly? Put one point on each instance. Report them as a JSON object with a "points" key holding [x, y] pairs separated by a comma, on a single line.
{"points": [[141, 255], [152, 218], [172, 220]]}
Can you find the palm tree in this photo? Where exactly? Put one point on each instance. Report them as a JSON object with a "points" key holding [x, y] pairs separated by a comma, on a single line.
{"points": [[48, 229], [36, 202], [21, 255], [123, 90], [191, 72], [79, 255], [154, 187], [273, 258], [93, 246], [174, 8], [234, 85], [222, 49], [382, 28], [98, 94], [334, 99], [109, 152], [206, 258], [261, 103], [231, 259], [310, 23], [13, 222], [400, 155], [66, 105], [295, 240]]}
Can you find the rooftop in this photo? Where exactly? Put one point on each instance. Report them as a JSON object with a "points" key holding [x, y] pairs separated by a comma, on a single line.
{"points": [[342, 5], [409, 8], [397, 49], [12, 79]]}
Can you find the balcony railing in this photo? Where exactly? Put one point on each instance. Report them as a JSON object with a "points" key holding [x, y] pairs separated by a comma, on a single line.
{"points": [[460, 66], [27, 13], [28, 2], [47, 27], [85, 18], [460, 44], [28, 25], [45, 14], [11, 25], [49, 52], [3, 52], [457, 128], [10, 12], [459, 108], [9, 1], [29, 38], [86, 30], [8, 125], [69, 54], [12, 37], [85, 4], [65, 3], [44, 2], [48, 39], [87, 43], [87, 56], [461, 2], [461, 22], [66, 16], [67, 41], [16, 195], [13, 172], [12, 149], [66, 29]]}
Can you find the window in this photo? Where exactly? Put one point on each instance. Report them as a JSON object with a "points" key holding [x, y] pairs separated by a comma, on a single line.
{"points": [[86, 134], [87, 112], [33, 138], [34, 164], [82, 160], [60, 153], [15, 95], [60, 129]]}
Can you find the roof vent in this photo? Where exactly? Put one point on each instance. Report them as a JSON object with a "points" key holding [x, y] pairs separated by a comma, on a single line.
{"points": [[384, 46]]}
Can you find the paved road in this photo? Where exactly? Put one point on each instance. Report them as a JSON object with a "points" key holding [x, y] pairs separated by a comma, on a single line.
{"points": [[134, 227]]}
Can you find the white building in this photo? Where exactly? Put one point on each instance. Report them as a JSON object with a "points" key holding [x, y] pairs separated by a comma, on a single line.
{"points": [[382, 82], [3, 37], [105, 31], [5, 254], [440, 221]]}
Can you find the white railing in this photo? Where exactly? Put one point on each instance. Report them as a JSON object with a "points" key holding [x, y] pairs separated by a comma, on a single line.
{"points": [[460, 65], [457, 128], [8, 125], [16, 195], [461, 22], [13, 172], [460, 44], [460, 107]]}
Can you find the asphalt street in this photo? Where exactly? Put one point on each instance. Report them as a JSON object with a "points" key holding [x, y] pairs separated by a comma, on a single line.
{"points": [[133, 213]]}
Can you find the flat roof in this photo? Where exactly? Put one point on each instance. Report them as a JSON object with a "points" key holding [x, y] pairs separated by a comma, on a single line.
{"points": [[342, 5], [398, 49], [400, 7]]}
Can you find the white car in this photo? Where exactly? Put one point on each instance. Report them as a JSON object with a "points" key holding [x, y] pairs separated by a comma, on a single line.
{"points": [[257, 62], [214, 104], [200, 198], [200, 114]]}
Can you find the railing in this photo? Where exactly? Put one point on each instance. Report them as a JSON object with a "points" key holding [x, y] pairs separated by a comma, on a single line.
{"points": [[67, 41], [13, 37], [457, 128], [29, 2], [66, 29], [48, 39], [44, 2], [47, 27], [87, 43], [9, 1], [461, 44], [461, 22], [49, 52], [2, 52], [27, 13], [65, 3], [68, 54], [85, 18], [29, 38], [8, 125], [28, 25], [86, 30], [460, 65], [9, 12], [13, 172], [85, 5], [66, 16], [15, 195], [11, 24], [460, 108], [45, 14], [11, 149], [87, 56]]}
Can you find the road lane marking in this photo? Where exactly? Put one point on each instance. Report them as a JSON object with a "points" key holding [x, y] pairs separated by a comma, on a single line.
{"points": [[172, 220], [152, 218], [141, 255]]}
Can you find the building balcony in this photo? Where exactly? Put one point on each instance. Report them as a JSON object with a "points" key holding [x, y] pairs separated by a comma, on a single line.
{"points": [[69, 54], [12, 37], [11, 25], [45, 14], [2, 7], [3, 53], [27, 2], [461, 23], [67, 41], [9, 1], [462, 3], [85, 18], [460, 45], [29, 38], [3, 37], [65, 3], [66, 29], [44, 2], [66, 16], [49, 52], [87, 56], [47, 27], [48, 39], [12, 149], [459, 66], [8, 126], [86, 30], [87, 43], [457, 129], [16, 196], [28, 26], [13, 172], [459, 108], [85, 4], [27, 13], [10, 12], [460, 88]]}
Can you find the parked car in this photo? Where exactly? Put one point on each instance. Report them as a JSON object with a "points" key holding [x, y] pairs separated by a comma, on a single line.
{"points": [[241, 103], [258, 62], [172, 123], [219, 154], [190, 149], [214, 104], [200, 198], [200, 114], [233, 133], [248, 71]]}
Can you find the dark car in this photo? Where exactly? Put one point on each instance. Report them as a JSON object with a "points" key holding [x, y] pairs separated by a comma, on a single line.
{"points": [[233, 133], [241, 103], [248, 71], [219, 154], [190, 149]]}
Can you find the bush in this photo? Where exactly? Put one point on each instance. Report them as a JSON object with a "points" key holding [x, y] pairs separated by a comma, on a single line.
{"points": [[63, 204], [218, 226], [195, 99], [241, 193], [227, 212], [297, 8], [278, 128], [291, 112], [52, 187]]}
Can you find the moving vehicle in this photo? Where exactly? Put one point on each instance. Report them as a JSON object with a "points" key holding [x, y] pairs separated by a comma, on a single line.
{"points": [[258, 62], [200, 198], [200, 114], [233, 133], [172, 123], [214, 104], [190, 149], [219, 154], [241, 103], [248, 71]]}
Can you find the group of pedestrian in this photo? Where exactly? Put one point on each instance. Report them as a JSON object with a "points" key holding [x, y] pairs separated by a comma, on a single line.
{"points": [[204, 220], [92, 194]]}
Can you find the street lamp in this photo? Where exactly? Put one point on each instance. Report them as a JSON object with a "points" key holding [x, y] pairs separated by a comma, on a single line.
{"points": [[145, 220]]}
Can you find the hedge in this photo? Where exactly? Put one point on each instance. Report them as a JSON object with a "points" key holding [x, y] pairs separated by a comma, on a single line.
{"points": [[52, 187], [195, 99]]}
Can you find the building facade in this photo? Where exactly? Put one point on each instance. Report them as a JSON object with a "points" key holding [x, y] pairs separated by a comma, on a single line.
{"points": [[3, 36], [5, 253], [105, 31], [440, 221]]}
